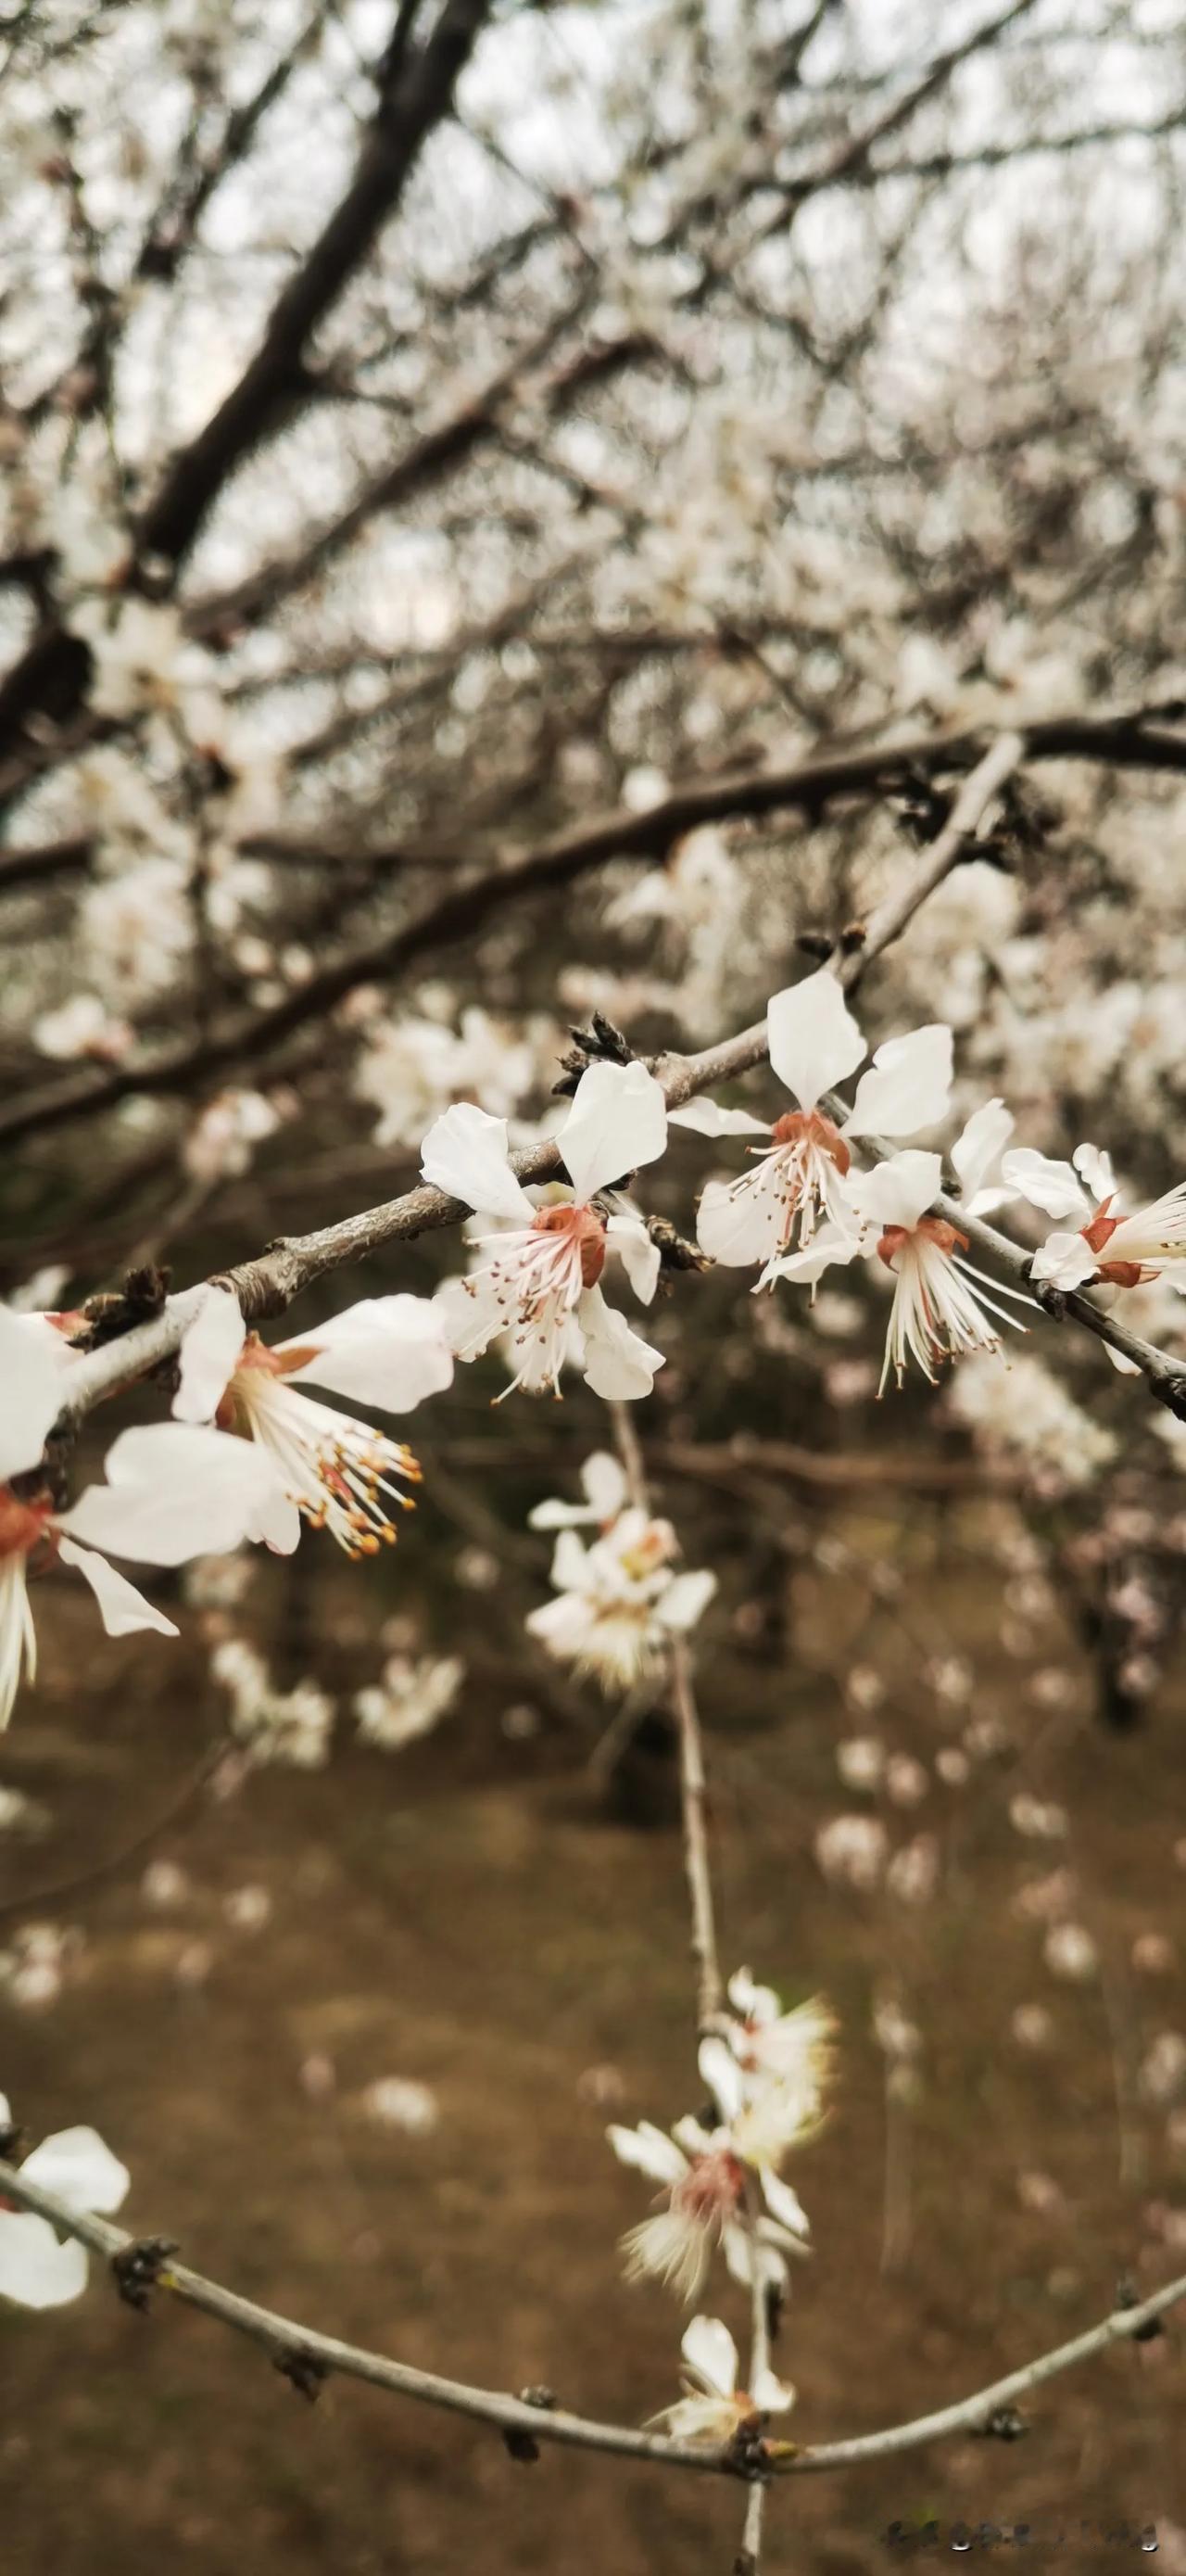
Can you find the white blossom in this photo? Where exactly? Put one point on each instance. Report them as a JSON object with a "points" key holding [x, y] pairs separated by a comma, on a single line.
{"points": [[620, 1601], [37, 2270], [540, 1285], [813, 1043], [714, 2408], [326, 1466], [411, 1696]]}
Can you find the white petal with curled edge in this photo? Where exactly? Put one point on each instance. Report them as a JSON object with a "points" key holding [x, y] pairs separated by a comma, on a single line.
{"points": [[627, 1236], [176, 1490], [827, 1246], [35, 2271], [121, 1608], [685, 1601], [619, 1365], [706, 1118], [387, 1351], [6, 2106], [618, 1121], [650, 2151], [784, 2204], [605, 1493], [709, 2350], [1095, 1170], [976, 1149], [771, 2396], [30, 1388], [720, 2071], [466, 1153], [76, 2166], [210, 1347], [899, 1191], [907, 1086], [1065, 1260], [811, 1037], [1053, 1187]]}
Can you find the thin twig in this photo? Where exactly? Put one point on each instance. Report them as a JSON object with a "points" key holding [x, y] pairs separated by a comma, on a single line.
{"points": [[692, 1783], [694, 1810], [281, 2335]]}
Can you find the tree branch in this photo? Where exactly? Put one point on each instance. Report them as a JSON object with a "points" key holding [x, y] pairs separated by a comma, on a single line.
{"points": [[284, 2339], [808, 786]]}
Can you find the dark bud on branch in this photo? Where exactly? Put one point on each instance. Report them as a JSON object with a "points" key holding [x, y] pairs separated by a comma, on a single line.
{"points": [[600, 1043], [137, 2268], [305, 2371], [110, 1316], [521, 2446], [675, 1253], [1128, 2296], [1005, 2424]]}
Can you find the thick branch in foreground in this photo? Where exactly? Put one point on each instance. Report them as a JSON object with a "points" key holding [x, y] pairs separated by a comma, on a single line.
{"points": [[290, 2343]]}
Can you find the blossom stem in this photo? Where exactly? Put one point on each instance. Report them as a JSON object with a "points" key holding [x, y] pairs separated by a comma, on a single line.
{"points": [[693, 1785], [694, 1808]]}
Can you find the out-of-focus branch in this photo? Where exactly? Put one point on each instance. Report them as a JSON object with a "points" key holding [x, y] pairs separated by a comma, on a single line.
{"points": [[268, 1285], [806, 786]]}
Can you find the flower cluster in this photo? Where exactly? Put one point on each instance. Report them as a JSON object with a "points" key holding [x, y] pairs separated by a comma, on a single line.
{"points": [[721, 2177], [619, 1600]]}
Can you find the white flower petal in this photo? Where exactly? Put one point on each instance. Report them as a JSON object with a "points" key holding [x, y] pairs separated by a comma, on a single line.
{"points": [[907, 1086], [76, 2166], [1053, 1187], [569, 1559], [977, 1148], [771, 2396], [737, 1222], [466, 1153], [811, 1036], [685, 1601], [386, 1351], [650, 2151], [122, 1609], [706, 1118], [619, 1365], [626, 1235], [1095, 1171], [1065, 1260], [32, 1356], [784, 2204], [618, 1121], [720, 2071], [709, 2350], [35, 2271], [210, 1347], [829, 1245], [176, 1490], [900, 1190], [604, 1480]]}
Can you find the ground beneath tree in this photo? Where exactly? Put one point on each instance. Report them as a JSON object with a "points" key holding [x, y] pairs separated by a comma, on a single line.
{"points": [[468, 1918]]}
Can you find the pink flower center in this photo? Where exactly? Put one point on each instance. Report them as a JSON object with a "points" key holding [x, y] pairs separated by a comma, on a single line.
{"points": [[808, 1127], [712, 2188], [22, 1525], [933, 1229], [585, 1232]]}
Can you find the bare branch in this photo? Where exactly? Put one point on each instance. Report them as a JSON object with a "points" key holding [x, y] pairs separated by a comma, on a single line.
{"points": [[281, 2336]]}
